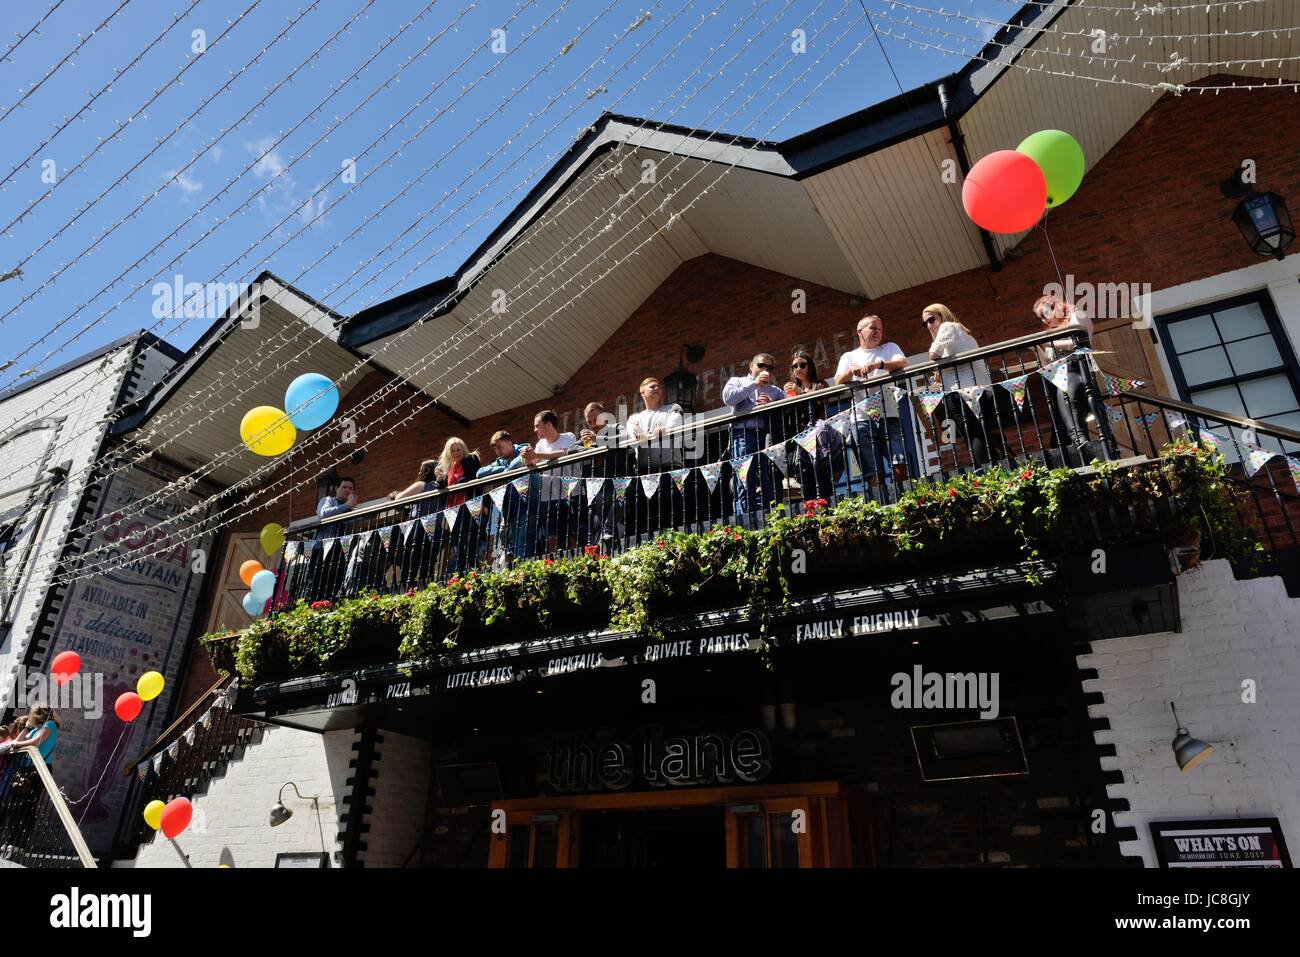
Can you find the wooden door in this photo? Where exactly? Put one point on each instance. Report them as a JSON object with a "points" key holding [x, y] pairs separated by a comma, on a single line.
{"points": [[534, 839], [227, 609]]}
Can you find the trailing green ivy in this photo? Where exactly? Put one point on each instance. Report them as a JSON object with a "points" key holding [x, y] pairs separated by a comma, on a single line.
{"points": [[999, 515]]}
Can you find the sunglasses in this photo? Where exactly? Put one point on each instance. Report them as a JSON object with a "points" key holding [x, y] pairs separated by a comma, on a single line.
{"points": [[798, 365], [930, 320], [764, 365]]}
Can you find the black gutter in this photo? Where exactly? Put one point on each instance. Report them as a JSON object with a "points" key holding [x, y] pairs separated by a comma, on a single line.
{"points": [[963, 161]]}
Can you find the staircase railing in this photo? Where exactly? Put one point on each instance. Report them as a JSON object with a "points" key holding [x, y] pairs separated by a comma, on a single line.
{"points": [[36, 827]]}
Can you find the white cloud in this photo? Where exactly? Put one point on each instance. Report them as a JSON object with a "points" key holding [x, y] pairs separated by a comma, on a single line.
{"points": [[311, 211], [269, 164], [216, 152], [188, 184]]}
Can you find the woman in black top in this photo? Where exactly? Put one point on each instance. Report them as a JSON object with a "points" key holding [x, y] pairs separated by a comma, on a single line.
{"points": [[815, 474]]}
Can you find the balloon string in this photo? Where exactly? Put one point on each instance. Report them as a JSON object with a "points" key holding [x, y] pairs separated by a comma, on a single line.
{"points": [[107, 764], [1050, 251]]}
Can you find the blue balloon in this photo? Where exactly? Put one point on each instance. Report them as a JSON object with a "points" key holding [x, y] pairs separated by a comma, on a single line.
{"points": [[262, 587], [310, 400], [252, 605]]}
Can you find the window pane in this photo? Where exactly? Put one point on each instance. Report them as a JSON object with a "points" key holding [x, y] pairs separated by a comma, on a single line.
{"points": [[1195, 333], [752, 851], [1208, 365], [1254, 355], [1290, 420], [519, 838], [1241, 321], [784, 843], [548, 844], [1269, 396], [1223, 399]]}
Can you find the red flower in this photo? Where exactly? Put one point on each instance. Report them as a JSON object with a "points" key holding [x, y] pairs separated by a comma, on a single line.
{"points": [[410, 592], [320, 605], [547, 561], [952, 493], [592, 551], [661, 543], [975, 482], [1026, 474], [453, 579]]}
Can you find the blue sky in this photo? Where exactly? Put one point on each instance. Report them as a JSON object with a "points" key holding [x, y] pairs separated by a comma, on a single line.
{"points": [[467, 164]]}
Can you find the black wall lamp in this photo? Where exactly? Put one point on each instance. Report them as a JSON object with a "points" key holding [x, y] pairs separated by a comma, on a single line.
{"points": [[680, 384], [1262, 218]]}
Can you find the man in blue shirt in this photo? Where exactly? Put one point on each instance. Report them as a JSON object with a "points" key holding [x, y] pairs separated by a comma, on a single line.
{"points": [[519, 532], [344, 499], [745, 394]]}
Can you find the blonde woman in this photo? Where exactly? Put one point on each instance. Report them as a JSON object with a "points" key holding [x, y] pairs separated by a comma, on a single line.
{"points": [[950, 338]]}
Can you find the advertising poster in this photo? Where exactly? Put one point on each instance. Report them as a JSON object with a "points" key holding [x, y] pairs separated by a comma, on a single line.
{"points": [[131, 619]]}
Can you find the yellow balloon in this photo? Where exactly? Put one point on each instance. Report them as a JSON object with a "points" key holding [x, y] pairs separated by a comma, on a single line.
{"points": [[219, 866], [267, 431], [272, 538], [153, 814], [149, 686]]}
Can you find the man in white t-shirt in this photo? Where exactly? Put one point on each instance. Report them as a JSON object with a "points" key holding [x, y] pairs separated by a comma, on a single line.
{"points": [[656, 452], [880, 441], [546, 488]]}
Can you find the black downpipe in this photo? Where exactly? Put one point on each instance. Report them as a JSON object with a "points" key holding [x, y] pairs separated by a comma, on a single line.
{"points": [[959, 147]]}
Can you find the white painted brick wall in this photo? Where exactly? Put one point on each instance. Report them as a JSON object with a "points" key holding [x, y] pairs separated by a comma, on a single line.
{"points": [[231, 823], [399, 809], [1232, 630]]}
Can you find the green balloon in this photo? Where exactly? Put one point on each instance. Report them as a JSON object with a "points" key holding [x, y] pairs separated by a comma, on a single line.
{"points": [[1060, 158]]}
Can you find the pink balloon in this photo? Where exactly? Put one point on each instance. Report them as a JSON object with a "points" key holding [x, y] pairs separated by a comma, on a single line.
{"points": [[1005, 192], [66, 664], [176, 816]]}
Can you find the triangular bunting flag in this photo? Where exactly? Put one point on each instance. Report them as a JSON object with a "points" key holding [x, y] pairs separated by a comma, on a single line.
{"points": [[712, 473], [157, 762], [930, 400], [679, 478], [206, 720], [1017, 387], [429, 523], [872, 405], [1146, 419], [291, 550], [475, 506], [1115, 385], [1058, 373], [650, 485], [520, 484], [449, 516], [741, 466], [1256, 459], [173, 749], [142, 770], [1294, 465], [971, 394], [1211, 439], [900, 394], [386, 536], [570, 485], [1177, 422], [346, 541], [498, 497], [405, 529], [594, 487], [620, 487], [1115, 415], [807, 440], [329, 545], [777, 454], [189, 736]]}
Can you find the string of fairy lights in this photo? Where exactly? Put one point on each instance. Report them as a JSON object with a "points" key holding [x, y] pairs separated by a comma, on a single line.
{"points": [[33, 29], [1251, 60], [67, 58], [599, 219], [211, 521], [301, 330]]}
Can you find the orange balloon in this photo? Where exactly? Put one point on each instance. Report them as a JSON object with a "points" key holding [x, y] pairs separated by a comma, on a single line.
{"points": [[248, 570]]}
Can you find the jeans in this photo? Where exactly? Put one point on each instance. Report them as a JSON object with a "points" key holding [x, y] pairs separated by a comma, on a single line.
{"points": [[1070, 407], [879, 444], [746, 442]]}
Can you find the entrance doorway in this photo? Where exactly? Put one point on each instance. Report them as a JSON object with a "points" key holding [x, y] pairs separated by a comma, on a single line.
{"points": [[782, 825]]}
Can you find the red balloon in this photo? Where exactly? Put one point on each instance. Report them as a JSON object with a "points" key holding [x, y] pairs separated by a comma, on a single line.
{"points": [[128, 705], [1005, 192], [66, 664], [176, 816]]}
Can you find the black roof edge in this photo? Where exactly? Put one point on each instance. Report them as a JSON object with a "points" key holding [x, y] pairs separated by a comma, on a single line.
{"points": [[139, 336], [910, 113]]}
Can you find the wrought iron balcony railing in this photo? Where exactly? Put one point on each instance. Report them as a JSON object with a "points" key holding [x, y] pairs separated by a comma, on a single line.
{"points": [[1034, 399]]}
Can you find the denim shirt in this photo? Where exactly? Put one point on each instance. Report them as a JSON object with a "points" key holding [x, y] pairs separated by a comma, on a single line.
{"points": [[741, 393]]}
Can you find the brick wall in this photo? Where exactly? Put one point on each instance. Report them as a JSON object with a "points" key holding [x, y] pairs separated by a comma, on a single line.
{"points": [[1232, 631]]}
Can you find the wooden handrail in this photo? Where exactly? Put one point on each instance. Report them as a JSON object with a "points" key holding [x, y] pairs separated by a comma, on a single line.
{"points": [[834, 391], [154, 748], [60, 806]]}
